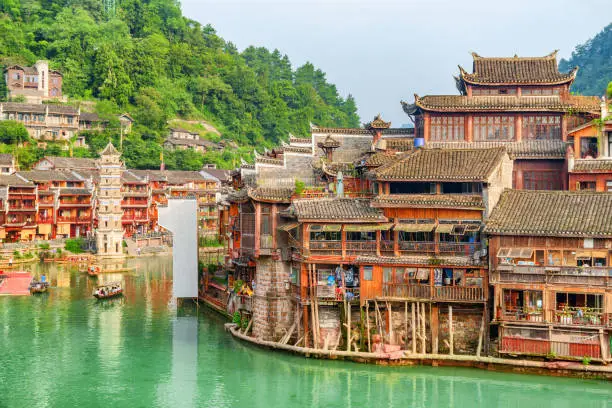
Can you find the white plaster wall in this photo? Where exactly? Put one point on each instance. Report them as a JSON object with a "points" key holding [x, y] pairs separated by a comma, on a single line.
{"points": [[180, 217]]}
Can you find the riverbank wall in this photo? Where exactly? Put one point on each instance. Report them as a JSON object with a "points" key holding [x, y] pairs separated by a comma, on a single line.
{"points": [[556, 369]]}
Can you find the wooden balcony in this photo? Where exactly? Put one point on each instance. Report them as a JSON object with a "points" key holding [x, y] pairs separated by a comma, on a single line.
{"points": [[44, 220], [568, 316], [82, 219], [458, 248], [74, 203], [467, 294], [417, 247], [326, 248], [563, 275], [360, 247]]}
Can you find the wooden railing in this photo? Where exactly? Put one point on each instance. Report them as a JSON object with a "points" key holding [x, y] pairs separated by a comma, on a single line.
{"points": [[359, 247], [417, 246], [386, 246], [572, 316], [543, 347], [458, 248], [569, 275], [328, 247], [439, 293]]}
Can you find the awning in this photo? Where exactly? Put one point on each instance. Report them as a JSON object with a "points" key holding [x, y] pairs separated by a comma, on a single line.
{"points": [[445, 228], [288, 227], [332, 227], [44, 228], [588, 254], [514, 253], [63, 229], [600, 254], [414, 227], [367, 227]]}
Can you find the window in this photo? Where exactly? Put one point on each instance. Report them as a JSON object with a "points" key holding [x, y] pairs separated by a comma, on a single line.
{"points": [[609, 186], [493, 128], [367, 273], [542, 180], [461, 188], [588, 147], [16, 76], [325, 236], [541, 127], [412, 188], [495, 91], [265, 220], [416, 236], [361, 236], [586, 186], [540, 91], [447, 128]]}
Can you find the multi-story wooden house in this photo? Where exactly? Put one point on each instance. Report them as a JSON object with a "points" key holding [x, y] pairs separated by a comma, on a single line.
{"points": [[590, 160], [43, 122], [36, 83], [8, 165], [521, 103], [136, 193], [19, 207], [550, 267], [64, 203]]}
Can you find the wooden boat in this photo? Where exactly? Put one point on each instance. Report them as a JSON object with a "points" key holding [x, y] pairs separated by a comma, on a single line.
{"points": [[94, 270], [108, 291], [38, 287]]}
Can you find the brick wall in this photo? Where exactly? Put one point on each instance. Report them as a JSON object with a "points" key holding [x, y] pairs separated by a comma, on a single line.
{"points": [[273, 306], [466, 326]]}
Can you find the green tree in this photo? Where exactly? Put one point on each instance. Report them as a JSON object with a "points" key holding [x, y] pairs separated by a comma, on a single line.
{"points": [[13, 132]]}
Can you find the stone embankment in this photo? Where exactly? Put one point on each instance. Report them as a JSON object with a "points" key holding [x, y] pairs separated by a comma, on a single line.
{"points": [[558, 369]]}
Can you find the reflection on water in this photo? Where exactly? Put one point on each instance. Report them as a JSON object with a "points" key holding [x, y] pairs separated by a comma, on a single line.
{"points": [[65, 348]]}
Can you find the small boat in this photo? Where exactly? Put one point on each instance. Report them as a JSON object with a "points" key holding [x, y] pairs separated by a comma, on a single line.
{"points": [[108, 290], [93, 270], [38, 287]]}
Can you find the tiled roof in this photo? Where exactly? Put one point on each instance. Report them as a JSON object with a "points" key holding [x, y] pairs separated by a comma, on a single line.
{"points": [[297, 149], [300, 140], [415, 260], [71, 163], [221, 175], [14, 180], [378, 159], [329, 143], [439, 164], [75, 191], [341, 209], [526, 149], [152, 175], [469, 201], [183, 176], [87, 174], [361, 131], [592, 166], [6, 159], [269, 160], [89, 117], [552, 213], [38, 108], [271, 194], [462, 103], [127, 176], [377, 124], [48, 175], [515, 70], [110, 150]]}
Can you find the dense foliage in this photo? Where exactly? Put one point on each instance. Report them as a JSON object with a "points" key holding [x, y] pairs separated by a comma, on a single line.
{"points": [[144, 57], [594, 59]]}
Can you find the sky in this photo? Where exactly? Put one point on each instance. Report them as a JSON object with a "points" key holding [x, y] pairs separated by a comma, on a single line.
{"points": [[385, 51]]}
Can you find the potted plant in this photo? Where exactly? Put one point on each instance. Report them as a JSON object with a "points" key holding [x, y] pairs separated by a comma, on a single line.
{"points": [[534, 315], [565, 316]]}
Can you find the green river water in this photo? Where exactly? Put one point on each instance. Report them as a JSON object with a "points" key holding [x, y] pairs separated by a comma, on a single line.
{"points": [[65, 349]]}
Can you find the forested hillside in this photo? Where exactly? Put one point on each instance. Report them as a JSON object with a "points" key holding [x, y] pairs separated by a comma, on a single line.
{"points": [[144, 57], [594, 58]]}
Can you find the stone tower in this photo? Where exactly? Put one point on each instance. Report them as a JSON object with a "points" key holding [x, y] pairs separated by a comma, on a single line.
{"points": [[109, 234]]}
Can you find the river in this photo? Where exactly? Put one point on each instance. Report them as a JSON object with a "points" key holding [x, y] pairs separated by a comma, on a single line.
{"points": [[65, 349]]}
